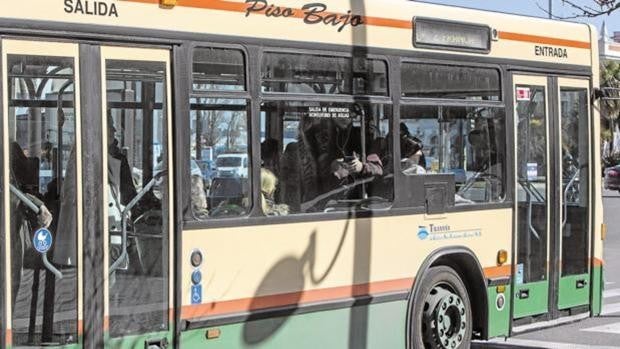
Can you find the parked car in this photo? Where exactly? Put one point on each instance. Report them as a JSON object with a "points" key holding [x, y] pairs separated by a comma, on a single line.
{"points": [[232, 165], [612, 178]]}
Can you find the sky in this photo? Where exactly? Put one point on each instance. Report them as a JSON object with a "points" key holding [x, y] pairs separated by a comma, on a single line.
{"points": [[530, 8]]}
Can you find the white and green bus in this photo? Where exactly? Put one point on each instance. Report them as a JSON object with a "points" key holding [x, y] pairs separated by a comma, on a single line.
{"points": [[258, 174]]}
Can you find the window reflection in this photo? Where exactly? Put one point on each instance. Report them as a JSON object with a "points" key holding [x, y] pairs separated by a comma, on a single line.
{"points": [[467, 142], [327, 156]]}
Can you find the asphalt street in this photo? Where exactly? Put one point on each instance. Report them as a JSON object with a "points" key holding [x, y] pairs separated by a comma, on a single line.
{"points": [[593, 333]]}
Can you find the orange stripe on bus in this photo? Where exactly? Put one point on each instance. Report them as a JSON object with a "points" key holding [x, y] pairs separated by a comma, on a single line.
{"points": [[493, 272], [234, 6], [543, 40], [292, 298], [374, 21], [597, 262]]}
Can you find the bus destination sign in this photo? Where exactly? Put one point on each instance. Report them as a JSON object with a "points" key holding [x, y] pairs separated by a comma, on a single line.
{"points": [[440, 34]]}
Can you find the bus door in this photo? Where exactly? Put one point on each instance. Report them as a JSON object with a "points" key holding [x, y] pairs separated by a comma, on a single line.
{"points": [[573, 161], [552, 268], [137, 185], [41, 194], [531, 276]]}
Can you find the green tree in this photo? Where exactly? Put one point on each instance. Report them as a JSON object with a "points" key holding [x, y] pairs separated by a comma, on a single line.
{"points": [[610, 103]]}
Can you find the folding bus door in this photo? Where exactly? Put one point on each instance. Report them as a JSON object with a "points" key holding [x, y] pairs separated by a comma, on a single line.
{"points": [[41, 195], [531, 278], [574, 163], [137, 185]]}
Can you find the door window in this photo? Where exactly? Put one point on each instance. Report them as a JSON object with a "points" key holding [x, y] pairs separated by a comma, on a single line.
{"points": [[575, 193], [531, 183], [43, 198], [137, 196]]}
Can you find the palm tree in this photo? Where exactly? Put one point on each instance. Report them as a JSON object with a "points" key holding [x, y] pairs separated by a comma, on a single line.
{"points": [[610, 103]]}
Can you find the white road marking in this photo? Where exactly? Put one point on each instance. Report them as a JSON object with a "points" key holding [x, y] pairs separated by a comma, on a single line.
{"points": [[610, 308], [607, 283], [609, 328], [611, 293], [549, 345]]}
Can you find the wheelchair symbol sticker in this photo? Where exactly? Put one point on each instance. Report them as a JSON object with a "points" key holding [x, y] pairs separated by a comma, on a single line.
{"points": [[196, 294], [42, 240]]}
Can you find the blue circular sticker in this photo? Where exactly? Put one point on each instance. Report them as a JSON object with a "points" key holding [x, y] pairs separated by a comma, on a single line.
{"points": [[42, 240], [422, 232]]}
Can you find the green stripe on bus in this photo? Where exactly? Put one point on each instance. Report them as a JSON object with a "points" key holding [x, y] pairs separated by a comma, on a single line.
{"points": [[570, 295], [537, 301], [138, 341], [597, 290], [375, 326], [499, 320]]}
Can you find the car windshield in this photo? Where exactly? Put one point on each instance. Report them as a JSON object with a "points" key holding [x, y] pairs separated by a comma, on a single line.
{"points": [[228, 161]]}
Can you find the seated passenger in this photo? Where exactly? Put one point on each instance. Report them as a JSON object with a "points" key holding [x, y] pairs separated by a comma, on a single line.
{"points": [[411, 152], [198, 193], [268, 185], [269, 153]]}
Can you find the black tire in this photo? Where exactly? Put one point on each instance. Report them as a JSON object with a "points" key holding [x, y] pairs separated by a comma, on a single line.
{"points": [[441, 299]]}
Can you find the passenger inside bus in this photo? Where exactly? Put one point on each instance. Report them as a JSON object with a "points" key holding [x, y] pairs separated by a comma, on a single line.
{"points": [[329, 161], [268, 184], [23, 221], [412, 159]]}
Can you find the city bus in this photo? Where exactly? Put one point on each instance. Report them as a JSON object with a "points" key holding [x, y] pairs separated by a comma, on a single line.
{"points": [[260, 174]]}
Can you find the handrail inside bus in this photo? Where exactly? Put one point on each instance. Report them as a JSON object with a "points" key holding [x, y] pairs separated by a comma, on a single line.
{"points": [[125, 216], [568, 187], [31, 205]]}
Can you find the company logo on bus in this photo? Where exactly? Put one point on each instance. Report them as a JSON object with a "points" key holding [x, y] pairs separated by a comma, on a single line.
{"points": [[422, 232], [445, 232]]}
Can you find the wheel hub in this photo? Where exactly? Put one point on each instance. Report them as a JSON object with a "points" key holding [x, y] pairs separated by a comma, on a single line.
{"points": [[445, 318]]}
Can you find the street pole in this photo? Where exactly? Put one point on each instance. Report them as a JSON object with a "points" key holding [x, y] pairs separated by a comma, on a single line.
{"points": [[550, 9]]}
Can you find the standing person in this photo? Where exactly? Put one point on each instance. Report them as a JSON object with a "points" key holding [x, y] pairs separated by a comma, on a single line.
{"points": [[23, 220]]}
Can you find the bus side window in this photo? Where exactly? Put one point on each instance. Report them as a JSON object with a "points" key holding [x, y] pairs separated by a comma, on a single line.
{"points": [[332, 163], [466, 141], [220, 166]]}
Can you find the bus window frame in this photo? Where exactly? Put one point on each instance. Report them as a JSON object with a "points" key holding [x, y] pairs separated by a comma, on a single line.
{"points": [[3, 283], [253, 61], [449, 102], [184, 109], [322, 53]]}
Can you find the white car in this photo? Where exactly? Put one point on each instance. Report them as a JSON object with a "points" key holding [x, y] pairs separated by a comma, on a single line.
{"points": [[232, 165]]}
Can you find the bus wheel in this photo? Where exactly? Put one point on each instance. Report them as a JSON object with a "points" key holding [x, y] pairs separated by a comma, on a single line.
{"points": [[442, 316]]}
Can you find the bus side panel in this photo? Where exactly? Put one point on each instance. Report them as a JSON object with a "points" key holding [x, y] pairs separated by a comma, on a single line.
{"points": [[499, 316], [597, 289], [374, 326], [291, 267]]}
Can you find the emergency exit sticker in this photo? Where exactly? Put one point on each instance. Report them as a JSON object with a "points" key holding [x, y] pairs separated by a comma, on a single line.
{"points": [[519, 277], [196, 296], [523, 94]]}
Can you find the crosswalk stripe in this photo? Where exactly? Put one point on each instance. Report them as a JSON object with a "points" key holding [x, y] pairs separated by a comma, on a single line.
{"points": [[611, 293], [608, 328], [548, 345], [610, 308]]}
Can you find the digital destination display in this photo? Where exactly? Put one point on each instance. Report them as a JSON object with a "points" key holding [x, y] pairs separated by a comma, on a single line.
{"points": [[432, 33]]}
